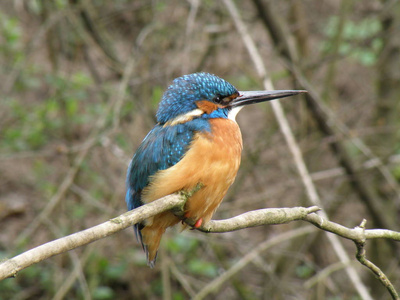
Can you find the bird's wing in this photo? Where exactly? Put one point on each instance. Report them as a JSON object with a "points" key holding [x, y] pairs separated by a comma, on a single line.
{"points": [[162, 148]]}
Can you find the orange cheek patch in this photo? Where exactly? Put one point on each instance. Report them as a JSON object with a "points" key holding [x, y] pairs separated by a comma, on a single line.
{"points": [[207, 106]]}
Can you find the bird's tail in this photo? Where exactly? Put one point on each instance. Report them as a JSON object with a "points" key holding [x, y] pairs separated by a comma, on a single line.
{"points": [[150, 237], [149, 234]]}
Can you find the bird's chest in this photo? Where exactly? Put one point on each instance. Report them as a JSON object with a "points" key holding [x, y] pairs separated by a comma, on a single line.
{"points": [[218, 158], [221, 148], [212, 160]]}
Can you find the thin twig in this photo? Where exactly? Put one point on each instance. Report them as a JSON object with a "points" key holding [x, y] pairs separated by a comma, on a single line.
{"points": [[354, 234], [62, 189], [324, 273], [128, 71], [77, 271], [165, 277], [245, 260], [181, 278], [35, 41], [96, 134], [362, 258], [186, 58]]}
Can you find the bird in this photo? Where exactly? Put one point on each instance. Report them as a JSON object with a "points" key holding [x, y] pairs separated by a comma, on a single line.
{"points": [[196, 142]]}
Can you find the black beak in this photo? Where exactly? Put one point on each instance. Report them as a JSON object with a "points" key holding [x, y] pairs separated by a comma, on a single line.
{"points": [[250, 97]]}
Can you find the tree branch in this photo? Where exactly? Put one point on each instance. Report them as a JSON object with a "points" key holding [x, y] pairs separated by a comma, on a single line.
{"points": [[354, 234], [266, 216], [11, 267], [176, 202], [362, 258]]}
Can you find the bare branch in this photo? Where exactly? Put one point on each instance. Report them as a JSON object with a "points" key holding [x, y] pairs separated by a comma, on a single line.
{"points": [[268, 216], [354, 234], [11, 266], [361, 257]]}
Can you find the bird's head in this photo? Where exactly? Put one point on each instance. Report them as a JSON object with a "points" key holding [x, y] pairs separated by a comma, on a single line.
{"points": [[208, 96]]}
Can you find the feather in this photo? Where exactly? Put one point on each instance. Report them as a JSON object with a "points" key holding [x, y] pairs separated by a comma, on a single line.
{"points": [[161, 149]]}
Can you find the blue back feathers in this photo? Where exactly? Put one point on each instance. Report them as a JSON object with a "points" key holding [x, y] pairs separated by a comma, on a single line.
{"points": [[162, 148], [182, 94]]}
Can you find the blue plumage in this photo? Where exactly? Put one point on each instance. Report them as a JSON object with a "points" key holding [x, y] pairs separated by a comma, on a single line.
{"points": [[162, 148], [192, 105], [166, 144], [182, 94], [218, 113]]}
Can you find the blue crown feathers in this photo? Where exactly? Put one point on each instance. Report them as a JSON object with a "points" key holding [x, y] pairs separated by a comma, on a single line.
{"points": [[181, 96]]}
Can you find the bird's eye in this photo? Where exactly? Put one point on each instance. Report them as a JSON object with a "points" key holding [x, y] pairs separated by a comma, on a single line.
{"points": [[222, 100], [218, 98]]}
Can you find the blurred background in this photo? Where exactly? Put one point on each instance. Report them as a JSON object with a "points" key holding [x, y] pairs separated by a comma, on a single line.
{"points": [[80, 85]]}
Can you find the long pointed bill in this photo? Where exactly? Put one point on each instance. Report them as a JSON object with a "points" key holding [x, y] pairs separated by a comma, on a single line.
{"points": [[250, 97]]}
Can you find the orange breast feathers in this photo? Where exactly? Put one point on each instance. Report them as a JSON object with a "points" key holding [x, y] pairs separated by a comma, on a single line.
{"points": [[212, 160]]}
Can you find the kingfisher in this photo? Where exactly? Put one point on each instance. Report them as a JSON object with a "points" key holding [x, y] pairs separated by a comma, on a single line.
{"points": [[196, 142]]}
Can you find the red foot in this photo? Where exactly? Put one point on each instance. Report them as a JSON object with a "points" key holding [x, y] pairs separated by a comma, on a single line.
{"points": [[198, 223]]}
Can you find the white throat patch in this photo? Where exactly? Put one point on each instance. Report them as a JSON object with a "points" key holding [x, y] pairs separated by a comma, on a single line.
{"points": [[233, 113]]}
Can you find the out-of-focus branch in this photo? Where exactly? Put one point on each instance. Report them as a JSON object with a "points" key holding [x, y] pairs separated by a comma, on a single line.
{"points": [[336, 42], [287, 132], [281, 41], [98, 132], [105, 46], [328, 125], [248, 257]]}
